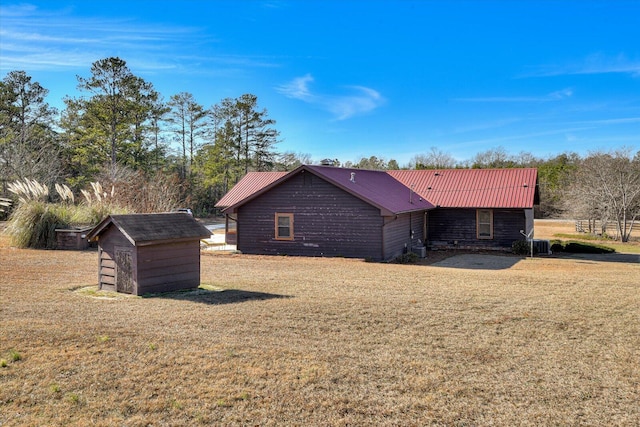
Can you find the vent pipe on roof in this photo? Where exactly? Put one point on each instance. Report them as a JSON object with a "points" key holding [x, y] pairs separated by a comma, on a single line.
{"points": [[353, 177]]}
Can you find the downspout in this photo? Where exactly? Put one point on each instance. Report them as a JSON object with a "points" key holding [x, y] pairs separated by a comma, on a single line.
{"points": [[425, 228], [410, 233]]}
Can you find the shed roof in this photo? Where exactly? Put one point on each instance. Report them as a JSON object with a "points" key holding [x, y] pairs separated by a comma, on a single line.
{"points": [[377, 188], [146, 229], [474, 188]]}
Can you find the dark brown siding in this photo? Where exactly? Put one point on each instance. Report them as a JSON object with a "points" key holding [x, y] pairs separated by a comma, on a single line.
{"points": [[457, 228], [327, 221], [168, 267], [155, 268], [70, 239], [398, 233]]}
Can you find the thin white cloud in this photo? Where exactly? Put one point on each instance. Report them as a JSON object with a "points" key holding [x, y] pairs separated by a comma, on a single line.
{"points": [[362, 101], [359, 101], [298, 88], [274, 4], [493, 124], [16, 10], [597, 63], [570, 131], [553, 96], [56, 39], [514, 137], [618, 121]]}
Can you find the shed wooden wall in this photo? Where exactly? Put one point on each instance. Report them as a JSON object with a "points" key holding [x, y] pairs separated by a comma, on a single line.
{"points": [[155, 268], [72, 239], [328, 221], [457, 228], [168, 267]]}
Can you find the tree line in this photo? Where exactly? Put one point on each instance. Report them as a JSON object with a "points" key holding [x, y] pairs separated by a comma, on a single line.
{"points": [[121, 132], [121, 129]]}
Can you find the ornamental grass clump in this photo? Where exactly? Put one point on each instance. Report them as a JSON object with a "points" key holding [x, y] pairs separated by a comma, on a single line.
{"points": [[33, 222], [4, 204], [31, 225]]}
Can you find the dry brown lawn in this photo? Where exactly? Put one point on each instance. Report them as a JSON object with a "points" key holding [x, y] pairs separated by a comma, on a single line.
{"points": [[474, 340]]}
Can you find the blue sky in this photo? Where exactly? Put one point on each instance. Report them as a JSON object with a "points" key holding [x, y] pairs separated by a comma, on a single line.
{"points": [[352, 79]]}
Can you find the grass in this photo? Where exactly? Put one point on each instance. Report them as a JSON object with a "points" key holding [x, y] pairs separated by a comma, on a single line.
{"points": [[628, 247], [316, 341], [564, 230], [14, 356]]}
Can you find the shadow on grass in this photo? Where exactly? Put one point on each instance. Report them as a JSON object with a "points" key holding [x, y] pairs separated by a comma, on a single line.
{"points": [[612, 257], [217, 297]]}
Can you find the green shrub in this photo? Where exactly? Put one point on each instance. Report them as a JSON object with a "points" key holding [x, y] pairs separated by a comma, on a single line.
{"points": [[586, 248], [575, 247], [556, 246], [522, 247], [408, 258]]}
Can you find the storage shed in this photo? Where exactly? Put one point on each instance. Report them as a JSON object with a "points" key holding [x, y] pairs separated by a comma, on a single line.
{"points": [[72, 238], [148, 253]]}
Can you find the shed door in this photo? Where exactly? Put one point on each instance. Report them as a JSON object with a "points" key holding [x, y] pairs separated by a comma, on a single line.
{"points": [[124, 271]]}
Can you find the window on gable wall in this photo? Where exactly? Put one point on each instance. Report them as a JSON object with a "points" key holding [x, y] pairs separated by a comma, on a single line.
{"points": [[484, 223], [284, 226]]}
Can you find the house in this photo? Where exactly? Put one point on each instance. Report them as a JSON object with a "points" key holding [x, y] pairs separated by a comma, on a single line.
{"points": [[475, 208], [329, 211], [148, 253]]}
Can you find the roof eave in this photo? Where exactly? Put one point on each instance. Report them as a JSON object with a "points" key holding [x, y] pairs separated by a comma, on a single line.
{"points": [[233, 208], [161, 241], [93, 234]]}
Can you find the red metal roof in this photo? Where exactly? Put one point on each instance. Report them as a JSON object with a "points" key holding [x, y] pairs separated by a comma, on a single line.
{"points": [[375, 187], [391, 190], [473, 188], [251, 183]]}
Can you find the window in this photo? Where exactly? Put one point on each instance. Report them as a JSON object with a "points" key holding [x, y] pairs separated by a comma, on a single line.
{"points": [[284, 226], [484, 220]]}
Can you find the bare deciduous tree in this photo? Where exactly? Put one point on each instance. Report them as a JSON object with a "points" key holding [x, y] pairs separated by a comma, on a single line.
{"points": [[607, 188], [434, 159]]}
